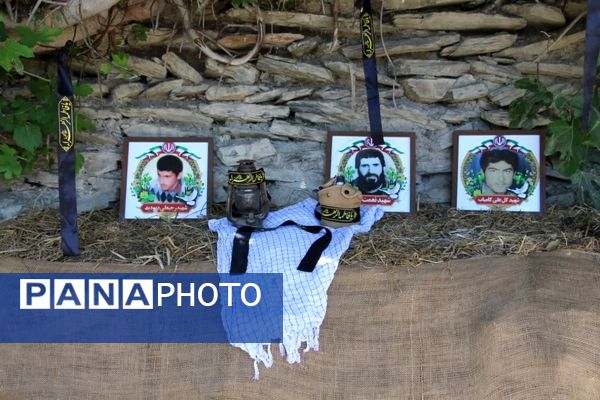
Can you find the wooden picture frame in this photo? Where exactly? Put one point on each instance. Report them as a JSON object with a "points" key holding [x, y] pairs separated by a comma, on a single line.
{"points": [[500, 170], [166, 177], [392, 183]]}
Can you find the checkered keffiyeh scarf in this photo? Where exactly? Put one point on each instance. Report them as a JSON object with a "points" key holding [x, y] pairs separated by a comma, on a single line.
{"points": [[280, 251]]}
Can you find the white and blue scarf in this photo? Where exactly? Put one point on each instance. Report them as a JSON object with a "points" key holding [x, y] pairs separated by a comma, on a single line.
{"points": [[280, 251]]}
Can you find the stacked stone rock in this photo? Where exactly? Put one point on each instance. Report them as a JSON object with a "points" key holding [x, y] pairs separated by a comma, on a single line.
{"points": [[444, 65]]}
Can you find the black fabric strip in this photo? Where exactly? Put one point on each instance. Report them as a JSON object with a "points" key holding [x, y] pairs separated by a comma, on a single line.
{"points": [[241, 247], [592, 48], [67, 192], [312, 256], [370, 68]]}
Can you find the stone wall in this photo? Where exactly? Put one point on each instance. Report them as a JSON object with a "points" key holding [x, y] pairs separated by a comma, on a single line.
{"points": [[444, 65]]}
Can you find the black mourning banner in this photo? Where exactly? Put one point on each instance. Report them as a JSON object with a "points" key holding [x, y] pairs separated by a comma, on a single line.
{"points": [[370, 68], [66, 155]]}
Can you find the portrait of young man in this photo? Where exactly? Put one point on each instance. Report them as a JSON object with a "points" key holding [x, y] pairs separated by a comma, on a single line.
{"points": [[168, 183], [498, 170], [499, 167], [162, 178]]}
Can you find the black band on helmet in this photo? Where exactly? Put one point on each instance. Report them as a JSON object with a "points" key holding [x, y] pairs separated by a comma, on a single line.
{"points": [[339, 215], [246, 178]]}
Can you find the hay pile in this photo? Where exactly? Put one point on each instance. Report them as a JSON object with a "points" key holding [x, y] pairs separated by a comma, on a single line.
{"points": [[436, 234]]}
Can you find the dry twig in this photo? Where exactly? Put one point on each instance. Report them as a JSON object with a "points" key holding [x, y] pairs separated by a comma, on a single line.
{"points": [[562, 35]]}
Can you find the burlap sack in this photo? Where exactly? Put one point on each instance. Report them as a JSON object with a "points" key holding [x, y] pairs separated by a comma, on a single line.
{"points": [[490, 328]]}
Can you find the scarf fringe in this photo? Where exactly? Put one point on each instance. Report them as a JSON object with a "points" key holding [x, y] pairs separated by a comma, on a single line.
{"points": [[290, 348]]}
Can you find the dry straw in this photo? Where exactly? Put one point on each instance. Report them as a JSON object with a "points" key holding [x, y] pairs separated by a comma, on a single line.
{"points": [[436, 234]]}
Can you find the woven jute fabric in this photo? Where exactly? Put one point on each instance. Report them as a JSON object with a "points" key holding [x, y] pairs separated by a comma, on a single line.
{"points": [[484, 328]]}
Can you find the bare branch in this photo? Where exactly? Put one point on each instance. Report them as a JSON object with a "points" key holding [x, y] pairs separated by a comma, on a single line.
{"points": [[185, 16], [562, 35], [36, 76], [240, 60], [32, 13], [11, 16]]}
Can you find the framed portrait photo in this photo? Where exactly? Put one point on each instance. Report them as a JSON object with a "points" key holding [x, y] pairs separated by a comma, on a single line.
{"points": [[499, 170], [166, 177], [385, 174]]}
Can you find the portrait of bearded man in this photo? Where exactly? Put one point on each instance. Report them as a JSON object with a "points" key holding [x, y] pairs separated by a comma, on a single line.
{"points": [[370, 165]]}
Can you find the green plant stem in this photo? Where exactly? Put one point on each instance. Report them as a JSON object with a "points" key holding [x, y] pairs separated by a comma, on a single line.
{"points": [[572, 139], [36, 76]]}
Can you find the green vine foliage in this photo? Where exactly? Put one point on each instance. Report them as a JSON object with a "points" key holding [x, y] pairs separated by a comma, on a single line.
{"points": [[119, 63], [578, 151], [242, 3], [29, 126]]}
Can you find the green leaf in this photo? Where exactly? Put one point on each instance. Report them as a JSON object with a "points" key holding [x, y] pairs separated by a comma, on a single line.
{"points": [[240, 3], [83, 124], [587, 183], [79, 160], [527, 124], [568, 167], [541, 99], [562, 134], [594, 125], [577, 101], [517, 111], [594, 157], [46, 118], [523, 110], [9, 164], [27, 159], [21, 117], [10, 54], [30, 37], [121, 60], [562, 107], [577, 106], [82, 90], [591, 144], [41, 89], [140, 32], [20, 104], [527, 84], [105, 68], [3, 34], [129, 74], [7, 123], [28, 137]]}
